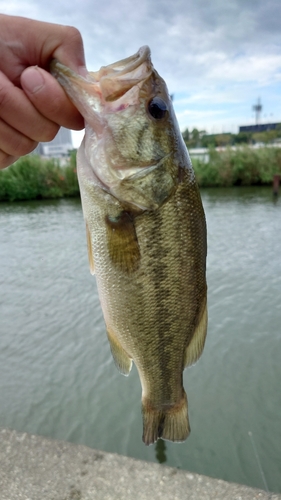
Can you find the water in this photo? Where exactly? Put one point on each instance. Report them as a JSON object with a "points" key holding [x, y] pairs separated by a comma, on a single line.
{"points": [[57, 377]]}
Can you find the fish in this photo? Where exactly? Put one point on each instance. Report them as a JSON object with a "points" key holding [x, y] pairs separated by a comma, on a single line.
{"points": [[146, 232]]}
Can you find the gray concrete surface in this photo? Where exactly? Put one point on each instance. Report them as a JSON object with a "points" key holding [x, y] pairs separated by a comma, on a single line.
{"points": [[36, 468]]}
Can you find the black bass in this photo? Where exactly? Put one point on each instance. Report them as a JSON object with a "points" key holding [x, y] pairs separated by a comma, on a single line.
{"points": [[146, 232]]}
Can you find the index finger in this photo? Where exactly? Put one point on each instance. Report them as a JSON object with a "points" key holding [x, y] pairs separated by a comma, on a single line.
{"points": [[37, 43]]}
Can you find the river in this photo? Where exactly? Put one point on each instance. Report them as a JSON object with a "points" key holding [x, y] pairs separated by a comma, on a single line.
{"points": [[57, 377]]}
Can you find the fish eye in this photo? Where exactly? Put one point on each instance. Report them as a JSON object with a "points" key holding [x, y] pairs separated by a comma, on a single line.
{"points": [[157, 108]]}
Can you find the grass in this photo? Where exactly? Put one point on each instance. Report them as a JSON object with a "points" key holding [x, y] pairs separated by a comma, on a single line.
{"points": [[31, 178]]}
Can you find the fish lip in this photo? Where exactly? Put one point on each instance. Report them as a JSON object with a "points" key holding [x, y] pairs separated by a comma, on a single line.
{"points": [[126, 65], [119, 68], [110, 83], [56, 68], [62, 73]]}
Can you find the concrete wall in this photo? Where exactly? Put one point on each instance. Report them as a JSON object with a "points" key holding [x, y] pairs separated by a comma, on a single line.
{"points": [[36, 468]]}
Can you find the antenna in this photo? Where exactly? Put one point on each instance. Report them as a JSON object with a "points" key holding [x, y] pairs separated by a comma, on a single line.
{"points": [[258, 109]]}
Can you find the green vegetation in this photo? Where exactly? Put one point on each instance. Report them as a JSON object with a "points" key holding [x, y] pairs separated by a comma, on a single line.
{"points": [[243, 166], [31, 178], [200, 139]]}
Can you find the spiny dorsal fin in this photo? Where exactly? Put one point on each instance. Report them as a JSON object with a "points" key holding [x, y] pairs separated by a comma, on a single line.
{"points": [[196, 345], [90, 250], [122, 242], [121, 358]]}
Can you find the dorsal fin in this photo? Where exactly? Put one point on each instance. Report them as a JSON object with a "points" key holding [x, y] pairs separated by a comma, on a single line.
{"points": [[196, 345]]}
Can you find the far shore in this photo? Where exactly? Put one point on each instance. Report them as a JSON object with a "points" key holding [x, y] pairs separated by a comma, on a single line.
{"points": [[33, 177]]}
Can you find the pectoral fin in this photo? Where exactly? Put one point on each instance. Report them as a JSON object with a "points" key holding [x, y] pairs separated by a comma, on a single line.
{"points": [[196, 345], [90, 250], [122, 242], [121, 358]]}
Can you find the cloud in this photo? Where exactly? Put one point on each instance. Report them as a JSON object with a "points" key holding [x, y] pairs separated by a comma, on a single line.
{"points": [[218, 54]]}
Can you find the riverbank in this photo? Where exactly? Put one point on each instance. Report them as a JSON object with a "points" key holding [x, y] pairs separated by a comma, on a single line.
{"points": [[32, 177], [33, 467]]}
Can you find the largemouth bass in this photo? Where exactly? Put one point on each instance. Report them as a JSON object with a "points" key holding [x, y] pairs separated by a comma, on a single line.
{"points": [[146, 232]]}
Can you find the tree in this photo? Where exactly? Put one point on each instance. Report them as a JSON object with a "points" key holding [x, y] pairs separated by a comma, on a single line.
{"points": [[185, 135]]}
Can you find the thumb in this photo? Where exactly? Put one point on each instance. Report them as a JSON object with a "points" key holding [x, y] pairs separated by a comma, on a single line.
{"points": [[49, 98]]}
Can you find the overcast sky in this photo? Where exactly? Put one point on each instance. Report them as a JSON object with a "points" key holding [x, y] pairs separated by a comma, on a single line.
{"points": [[216, 56]]}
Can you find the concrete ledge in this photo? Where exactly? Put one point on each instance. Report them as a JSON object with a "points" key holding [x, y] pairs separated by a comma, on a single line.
{"points": [[36, 468]]}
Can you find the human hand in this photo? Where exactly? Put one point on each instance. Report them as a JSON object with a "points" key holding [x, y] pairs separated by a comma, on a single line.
{"points": [[32, 103]]}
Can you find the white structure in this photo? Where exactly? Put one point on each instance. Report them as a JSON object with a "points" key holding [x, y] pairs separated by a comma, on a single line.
{"points": [[200, 154], [58, 147]]}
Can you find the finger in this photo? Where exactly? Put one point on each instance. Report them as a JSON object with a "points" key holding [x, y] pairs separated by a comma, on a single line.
{"points": [[49, 98], [66, 47], [6, 160], [18, 112], [37, 43], [13, 143]]}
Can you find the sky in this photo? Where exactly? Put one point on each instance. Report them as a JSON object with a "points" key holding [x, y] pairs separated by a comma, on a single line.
{"points": [[216, 56]]}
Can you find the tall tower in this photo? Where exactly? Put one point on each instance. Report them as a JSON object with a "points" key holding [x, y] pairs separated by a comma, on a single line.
{"points": [[258, 109]]}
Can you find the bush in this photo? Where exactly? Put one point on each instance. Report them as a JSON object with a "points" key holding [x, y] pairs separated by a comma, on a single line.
{"points": [[244, 166], [31, 177]]}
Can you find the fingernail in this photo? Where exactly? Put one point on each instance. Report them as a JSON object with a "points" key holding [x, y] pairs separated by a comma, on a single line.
{"points": [[32, 79]]}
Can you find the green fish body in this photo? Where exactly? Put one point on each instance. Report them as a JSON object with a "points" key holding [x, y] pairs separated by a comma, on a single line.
{"points": [[146, 232]]}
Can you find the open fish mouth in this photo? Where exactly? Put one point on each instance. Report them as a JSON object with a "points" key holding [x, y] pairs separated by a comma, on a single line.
{"points": [[125, 66], [109, 83], [118, 78]]}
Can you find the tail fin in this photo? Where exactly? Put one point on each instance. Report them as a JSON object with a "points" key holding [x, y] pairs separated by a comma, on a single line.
{"points": [[171, 424]]}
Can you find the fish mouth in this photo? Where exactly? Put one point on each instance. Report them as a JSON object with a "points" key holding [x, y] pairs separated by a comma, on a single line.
{"points": [[105, 87], [118, 78], [130, 64]]}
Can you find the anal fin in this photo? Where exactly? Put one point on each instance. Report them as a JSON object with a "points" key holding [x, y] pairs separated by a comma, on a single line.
{"points": [[121, 358], [196, 345]]}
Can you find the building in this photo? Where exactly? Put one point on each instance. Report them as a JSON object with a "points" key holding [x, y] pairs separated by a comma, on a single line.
{"points": [[259, 127], [58, 147]]}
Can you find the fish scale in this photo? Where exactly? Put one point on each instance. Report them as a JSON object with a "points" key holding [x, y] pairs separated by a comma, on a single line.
{"points": [[158, 290]]}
